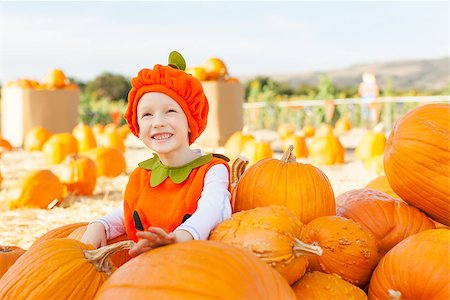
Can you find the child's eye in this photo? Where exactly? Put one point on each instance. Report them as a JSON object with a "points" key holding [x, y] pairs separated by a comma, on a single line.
{"points": [[146, 115], [171, 110]]}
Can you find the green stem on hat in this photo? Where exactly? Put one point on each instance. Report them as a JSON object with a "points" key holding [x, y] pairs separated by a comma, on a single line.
{"points": [[177, 61]]}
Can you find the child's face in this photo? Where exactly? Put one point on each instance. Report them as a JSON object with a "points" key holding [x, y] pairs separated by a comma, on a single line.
{"points": [[163, 126]]}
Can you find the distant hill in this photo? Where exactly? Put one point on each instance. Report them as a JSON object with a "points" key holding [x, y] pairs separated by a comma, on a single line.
{"points": [[430, 74]]}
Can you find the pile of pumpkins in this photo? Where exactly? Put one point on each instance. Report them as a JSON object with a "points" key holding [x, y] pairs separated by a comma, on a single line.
{"points": [[288, 238], [55, 79], [212, 69], [76, 159]]}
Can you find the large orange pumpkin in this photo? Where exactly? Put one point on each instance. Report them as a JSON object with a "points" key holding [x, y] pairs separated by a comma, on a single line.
{"points": [[36, 138], [59, 232], [8, 256], [317, 286], [302, 188], [417, 160], [417, 268], [85, 137], [79, 174], [382, 184], [37, 189], [348, 250], [274, 234], [59, 269], [389, 220], [196, 270], [58, 146]]}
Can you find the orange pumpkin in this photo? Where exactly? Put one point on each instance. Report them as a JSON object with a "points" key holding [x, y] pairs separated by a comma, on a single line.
{"points": [[4, 146], [56, 79], [416, 268], [274, 234], [113, 139], [215, 68], [284, 130], [371, 145], [317, 286], [58, 146], [324, 130], [196, 270], [235, 144], [98, 130], [59, 232], [299, 143], [85, 137], [79, 174], [308, 131], [37, 189], [388, 219], [302, 188], [118, 258], [198, 72], [257, 150], [8, 256], [382, 184], [36, 138], [326, 150], [59, 269], [342, 125], [348, 250], [417, 160], [110, 161], [123, 131]]}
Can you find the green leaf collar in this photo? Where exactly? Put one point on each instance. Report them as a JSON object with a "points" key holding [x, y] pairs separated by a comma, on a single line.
{"points": [[177, 174]]}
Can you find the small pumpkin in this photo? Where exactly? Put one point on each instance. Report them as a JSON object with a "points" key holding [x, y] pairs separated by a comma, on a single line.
{"points": [[235, 144], [78, 174], [110, 161], [299, 143], [58, 146], [326, 150], [274, 234], [55, 79], [203, 270], [5, 146], [284, 130], [302, 188], [417, 160], [8, 256], [36, 138], [348, 250], [342, 125], [371, 145], [416, 268], [113, 139], [85, 137], [389, 220], [215, 68], [59, 269], [317, 286], [257, 150], [308, 131], [198, 72], [37, 189]]}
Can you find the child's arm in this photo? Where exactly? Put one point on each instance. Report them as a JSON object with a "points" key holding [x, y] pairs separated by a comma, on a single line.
{"points": [[105, 228]]}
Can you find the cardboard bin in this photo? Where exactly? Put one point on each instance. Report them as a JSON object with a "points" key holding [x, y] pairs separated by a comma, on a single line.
{"points": [[225, 112], [23, 109]]}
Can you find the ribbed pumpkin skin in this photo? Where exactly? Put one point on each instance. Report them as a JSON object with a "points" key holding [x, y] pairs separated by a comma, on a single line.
{"points": [[417, 160], [269, 232], [79, 174], [381, 183], [53, 269], [110, 161], [388, 219], [59, 232], [418, 268], [302, 188], [317, 286], [196, 270], [348, 250], [8, 256]]}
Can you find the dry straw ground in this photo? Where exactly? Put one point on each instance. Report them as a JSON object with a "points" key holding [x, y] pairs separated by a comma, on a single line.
{"points": [[22, 226]]}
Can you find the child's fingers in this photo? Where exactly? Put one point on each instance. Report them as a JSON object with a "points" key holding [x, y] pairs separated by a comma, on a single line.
{"points": [[158, 231]]}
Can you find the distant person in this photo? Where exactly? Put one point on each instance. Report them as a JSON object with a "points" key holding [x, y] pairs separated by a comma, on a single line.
{"points": [[179, 194], [368, 90]]}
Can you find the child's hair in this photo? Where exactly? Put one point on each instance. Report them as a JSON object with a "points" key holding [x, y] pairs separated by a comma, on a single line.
{"points": [[182, 87]]}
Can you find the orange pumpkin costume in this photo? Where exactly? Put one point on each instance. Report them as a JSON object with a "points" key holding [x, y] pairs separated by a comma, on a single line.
{"points": [[166, 204]]}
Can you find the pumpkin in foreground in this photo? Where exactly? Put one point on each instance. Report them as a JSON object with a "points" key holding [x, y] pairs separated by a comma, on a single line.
{"points": [[8, 256], [59, 269], [274, 234], [196, 270], [416, 268]]}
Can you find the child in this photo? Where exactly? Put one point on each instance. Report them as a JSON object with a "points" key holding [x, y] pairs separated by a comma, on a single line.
{"points": [[180, 194]]}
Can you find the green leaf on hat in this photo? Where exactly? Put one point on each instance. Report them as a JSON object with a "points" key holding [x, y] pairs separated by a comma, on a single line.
{"points": [[177, 61]]}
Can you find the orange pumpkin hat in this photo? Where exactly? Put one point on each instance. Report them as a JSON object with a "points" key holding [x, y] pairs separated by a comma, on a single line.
{"points": [[182, 87]]}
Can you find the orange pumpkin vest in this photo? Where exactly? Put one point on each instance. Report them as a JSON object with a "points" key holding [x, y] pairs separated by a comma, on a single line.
{"points": [[166, 204]]}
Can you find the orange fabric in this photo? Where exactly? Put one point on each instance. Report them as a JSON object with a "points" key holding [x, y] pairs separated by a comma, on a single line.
{"points": [[184, 88], [166, 204]]}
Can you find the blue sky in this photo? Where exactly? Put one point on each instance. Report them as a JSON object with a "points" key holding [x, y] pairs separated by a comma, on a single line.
{"points": [[88, 38]]}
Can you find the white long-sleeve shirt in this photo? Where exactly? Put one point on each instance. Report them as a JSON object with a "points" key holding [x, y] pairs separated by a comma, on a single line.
{"points": [[213, 207]]}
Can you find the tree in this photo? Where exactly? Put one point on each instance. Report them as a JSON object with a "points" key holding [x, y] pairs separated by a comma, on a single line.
{"points": [[109, 86]]}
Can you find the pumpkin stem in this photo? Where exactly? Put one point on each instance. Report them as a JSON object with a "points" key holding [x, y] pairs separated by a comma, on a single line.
{"points": [[237, 169], [288, 156], [301, 248], [100, 257], [394, 295]]}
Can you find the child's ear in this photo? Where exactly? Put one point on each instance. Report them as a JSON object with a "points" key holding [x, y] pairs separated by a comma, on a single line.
{"points": [[189, 130]]}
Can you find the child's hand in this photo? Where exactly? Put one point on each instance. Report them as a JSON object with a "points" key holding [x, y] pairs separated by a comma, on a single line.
{"points": [[95, 235], [153, 238]]}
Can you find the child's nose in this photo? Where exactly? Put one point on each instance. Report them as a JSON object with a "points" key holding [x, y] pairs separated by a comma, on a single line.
{"points": [[159, 121]]}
